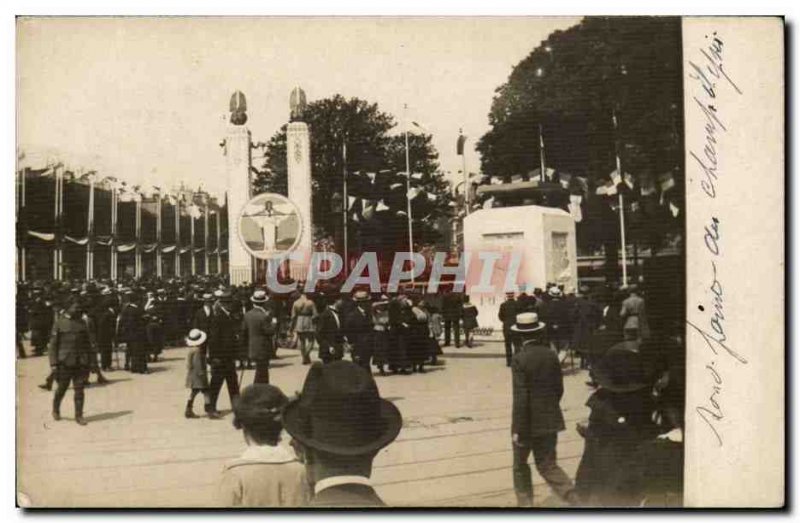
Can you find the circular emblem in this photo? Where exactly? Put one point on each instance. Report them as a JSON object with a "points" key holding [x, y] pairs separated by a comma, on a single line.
{"points": [[269, 226]]}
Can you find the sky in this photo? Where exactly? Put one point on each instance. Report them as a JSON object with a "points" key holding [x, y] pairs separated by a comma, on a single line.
{"points": [[146, 99]]}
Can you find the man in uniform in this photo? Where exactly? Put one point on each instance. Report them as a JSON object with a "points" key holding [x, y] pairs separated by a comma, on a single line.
{"points": [[536, 417], [70, 353]]}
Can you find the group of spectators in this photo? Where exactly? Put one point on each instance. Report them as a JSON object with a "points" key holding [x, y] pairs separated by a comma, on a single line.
{"points": [[633, 436]]}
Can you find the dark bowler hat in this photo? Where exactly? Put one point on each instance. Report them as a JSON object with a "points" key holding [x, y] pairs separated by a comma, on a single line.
{"points": [[621, 369], [341, 412]]}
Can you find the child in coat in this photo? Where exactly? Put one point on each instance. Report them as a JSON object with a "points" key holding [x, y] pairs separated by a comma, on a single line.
{"points": [[196, 376], [268, 473]]}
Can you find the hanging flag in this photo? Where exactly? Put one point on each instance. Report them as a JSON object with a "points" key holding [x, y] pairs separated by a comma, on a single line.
{"points": [[395, 186], [460, 144], [666, 181], [369, 210], [381, 206], [611, 188], [372, 177], [350, 201], [674, 209], [628, 179], [615, 177], [431, 197], [416, 176], [575, 207], [412, 193], [601, 190], [647, 185], [402, 213], [403, 174]]}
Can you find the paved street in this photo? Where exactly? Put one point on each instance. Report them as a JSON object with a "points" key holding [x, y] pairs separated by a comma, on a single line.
{"points": [[138, 450]]}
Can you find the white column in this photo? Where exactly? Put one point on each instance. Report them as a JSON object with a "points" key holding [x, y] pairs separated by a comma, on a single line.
{"points": [[137, 267], [177, 237], [237, 168], [158, 236], [298, 161]]}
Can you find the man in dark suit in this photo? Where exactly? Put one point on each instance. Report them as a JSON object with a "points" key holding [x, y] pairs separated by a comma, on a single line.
{"points": [[359, 329], [451, 314], [106, 320], [71, 355], [222, 349], [258, 335], [338, 441], [508, 316], [132, 332], [536, 417], [330, 334]]}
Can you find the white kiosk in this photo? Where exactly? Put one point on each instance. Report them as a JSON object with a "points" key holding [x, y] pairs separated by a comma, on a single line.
{"points": [[544, 236]]}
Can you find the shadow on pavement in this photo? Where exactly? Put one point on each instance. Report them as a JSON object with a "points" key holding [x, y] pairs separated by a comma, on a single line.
{"points": [[107, 416]]}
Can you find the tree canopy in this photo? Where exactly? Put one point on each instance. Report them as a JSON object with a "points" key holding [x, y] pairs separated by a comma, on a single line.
{"points": [[374, 157], [572, 86]]}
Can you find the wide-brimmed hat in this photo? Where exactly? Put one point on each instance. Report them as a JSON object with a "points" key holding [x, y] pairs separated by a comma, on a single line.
{"points": [[527, 322], [554, 291], [258, 403], [259, 296], [340, 411], [620, 369], [195, 338], [361, 295]]}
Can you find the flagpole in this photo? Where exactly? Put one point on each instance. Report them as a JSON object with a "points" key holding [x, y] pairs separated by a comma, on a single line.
{"points": [[345, 208], [542, 166], [621, 201], [89, 231], [408, 195]]}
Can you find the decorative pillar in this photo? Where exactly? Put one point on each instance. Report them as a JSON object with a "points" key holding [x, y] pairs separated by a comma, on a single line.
{"points": [[57, 254], [137, 267], [90, 231], [219, 240], [113, 249], [178, 237], [158, 235], [237, 170], [298, 161], [205, 238], [191, 239]]}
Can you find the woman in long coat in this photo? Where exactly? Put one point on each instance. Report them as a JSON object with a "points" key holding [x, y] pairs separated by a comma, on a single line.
{"points": [[469, 314], [419, 335], [397, 345]]}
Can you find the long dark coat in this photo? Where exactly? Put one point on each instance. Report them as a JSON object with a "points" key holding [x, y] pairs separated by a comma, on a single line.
{"points": [[609, 472], [359, 330], [537, 387], [330, 336], [258, 333]]}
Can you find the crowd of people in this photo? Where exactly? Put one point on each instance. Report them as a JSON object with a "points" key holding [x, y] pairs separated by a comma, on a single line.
{"points": [[339, 422]]}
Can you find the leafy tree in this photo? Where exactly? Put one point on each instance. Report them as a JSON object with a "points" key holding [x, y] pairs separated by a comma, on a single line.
{"points": [[365, 130], [571, 85]]}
